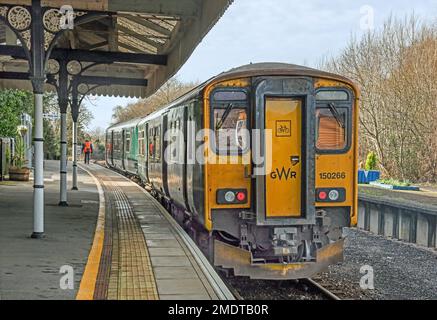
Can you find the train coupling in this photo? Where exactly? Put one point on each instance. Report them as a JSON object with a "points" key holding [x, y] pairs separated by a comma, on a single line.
{"points": [[284, 241]]}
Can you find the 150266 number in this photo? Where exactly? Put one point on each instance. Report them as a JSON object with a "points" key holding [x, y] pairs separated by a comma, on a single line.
{"points": [[333, 175]]}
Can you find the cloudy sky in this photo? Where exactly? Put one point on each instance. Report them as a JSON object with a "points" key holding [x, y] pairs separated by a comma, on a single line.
{"points": [[300, 32]]}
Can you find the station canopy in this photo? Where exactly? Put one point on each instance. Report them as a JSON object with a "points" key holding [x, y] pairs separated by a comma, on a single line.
{"points": [[149, 39]]}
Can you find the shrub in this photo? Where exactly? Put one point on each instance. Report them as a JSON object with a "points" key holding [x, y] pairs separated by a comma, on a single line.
{"points": [[371, 161]]}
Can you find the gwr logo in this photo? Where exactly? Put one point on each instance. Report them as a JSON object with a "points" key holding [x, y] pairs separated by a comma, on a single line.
{"points": [[283, 174]]}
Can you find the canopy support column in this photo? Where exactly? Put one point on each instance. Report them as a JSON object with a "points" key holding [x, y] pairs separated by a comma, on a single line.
{"points": [[38, 79], [75, 116], [63, 104], [38, 187]]}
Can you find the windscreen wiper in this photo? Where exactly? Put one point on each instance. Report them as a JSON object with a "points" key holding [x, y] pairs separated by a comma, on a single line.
{"points": [[337, 115], [225, 116]]}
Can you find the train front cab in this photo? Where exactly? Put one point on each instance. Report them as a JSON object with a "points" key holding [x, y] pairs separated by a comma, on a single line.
{"points": [[280, 215]]}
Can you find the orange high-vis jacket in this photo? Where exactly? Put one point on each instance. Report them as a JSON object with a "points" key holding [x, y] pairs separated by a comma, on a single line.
{"points": [[87, 147]]}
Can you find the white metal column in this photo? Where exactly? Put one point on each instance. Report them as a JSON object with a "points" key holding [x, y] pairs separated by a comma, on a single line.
{"points": [[74, 151], [38, 187], [63, 162]]}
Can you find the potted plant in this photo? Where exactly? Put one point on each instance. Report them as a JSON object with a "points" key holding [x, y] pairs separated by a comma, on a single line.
{"points": [[370, 173], [18, 172]]}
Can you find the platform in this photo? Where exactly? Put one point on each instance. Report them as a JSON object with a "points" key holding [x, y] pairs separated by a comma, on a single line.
{"points": [[144, 255], [409, 216], [120, 242], [29, 268]]}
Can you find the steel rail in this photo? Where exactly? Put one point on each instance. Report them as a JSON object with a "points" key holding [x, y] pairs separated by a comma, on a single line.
{"points": [[321, 288]]}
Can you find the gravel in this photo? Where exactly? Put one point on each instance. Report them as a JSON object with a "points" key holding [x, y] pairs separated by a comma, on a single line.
{"points": [[401, 272], [250, 289]]}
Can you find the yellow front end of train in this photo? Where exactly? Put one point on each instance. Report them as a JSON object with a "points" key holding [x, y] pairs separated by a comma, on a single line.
{"points": [[277, 198]]}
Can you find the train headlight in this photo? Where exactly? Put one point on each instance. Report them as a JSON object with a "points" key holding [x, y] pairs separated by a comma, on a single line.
{"points": [[230, 196], [334, 195]]}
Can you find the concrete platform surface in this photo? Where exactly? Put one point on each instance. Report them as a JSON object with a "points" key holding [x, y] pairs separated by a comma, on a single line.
{"points": [[426, 198], [30, 268], [144, 257]]}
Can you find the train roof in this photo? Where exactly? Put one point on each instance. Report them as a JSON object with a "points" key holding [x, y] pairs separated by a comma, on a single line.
{"points": [[252, 70], [277, 69], [126, 124]]}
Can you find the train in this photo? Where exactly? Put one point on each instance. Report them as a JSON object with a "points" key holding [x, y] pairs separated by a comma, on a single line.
{"points": [[258, 164]]}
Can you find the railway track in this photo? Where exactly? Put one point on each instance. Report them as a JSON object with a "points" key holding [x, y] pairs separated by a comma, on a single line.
{"points": [[329, 294], [304, 289]]}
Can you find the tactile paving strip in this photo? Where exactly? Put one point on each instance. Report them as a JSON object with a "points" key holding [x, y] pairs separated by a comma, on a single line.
{"points": [[126, 271]]}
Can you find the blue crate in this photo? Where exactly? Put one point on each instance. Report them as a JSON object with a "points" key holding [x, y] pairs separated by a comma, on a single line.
{"points": [[365, 177]]}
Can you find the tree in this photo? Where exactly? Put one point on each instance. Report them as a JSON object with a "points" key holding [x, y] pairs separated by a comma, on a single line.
{"points": [[396, 68], [170, 91], [15, 102], [12, 104], [371, 161]]}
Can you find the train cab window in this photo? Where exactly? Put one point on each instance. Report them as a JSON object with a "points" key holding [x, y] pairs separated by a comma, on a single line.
{"points": [[229, 120], [333, 121], [331, 133]]}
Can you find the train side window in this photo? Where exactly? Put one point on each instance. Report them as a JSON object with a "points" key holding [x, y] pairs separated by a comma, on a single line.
{"points": [[157, 142], [141, 139], [128, 142], [229, 120], [331, 129], [151, 144]]}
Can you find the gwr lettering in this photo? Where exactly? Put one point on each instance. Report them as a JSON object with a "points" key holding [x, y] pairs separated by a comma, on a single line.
{"points": [[283, 174]]}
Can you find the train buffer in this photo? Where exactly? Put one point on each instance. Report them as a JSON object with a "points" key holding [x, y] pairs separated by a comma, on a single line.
{"points": [[119, 243]]}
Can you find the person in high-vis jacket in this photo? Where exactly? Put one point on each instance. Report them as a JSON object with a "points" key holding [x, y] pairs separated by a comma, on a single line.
{"points": [[87, 149]]}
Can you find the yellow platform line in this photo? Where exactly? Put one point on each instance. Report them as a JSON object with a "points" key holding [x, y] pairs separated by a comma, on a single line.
{"points": [[89, 277]]}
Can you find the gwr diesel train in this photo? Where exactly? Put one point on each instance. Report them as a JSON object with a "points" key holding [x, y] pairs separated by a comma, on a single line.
{"points": [[257, 163]]}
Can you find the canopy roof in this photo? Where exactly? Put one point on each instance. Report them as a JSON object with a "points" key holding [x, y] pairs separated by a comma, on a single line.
{"points": [[168, 30]]}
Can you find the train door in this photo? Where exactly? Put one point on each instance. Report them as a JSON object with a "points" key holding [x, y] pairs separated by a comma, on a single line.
{"points": [[283, 180], [284, 157], [123, 149], [164, 143], [111, 148], [146, 151]]}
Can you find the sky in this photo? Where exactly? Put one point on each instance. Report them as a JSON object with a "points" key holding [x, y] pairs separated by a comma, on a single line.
{"points": [[291, 31]]}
